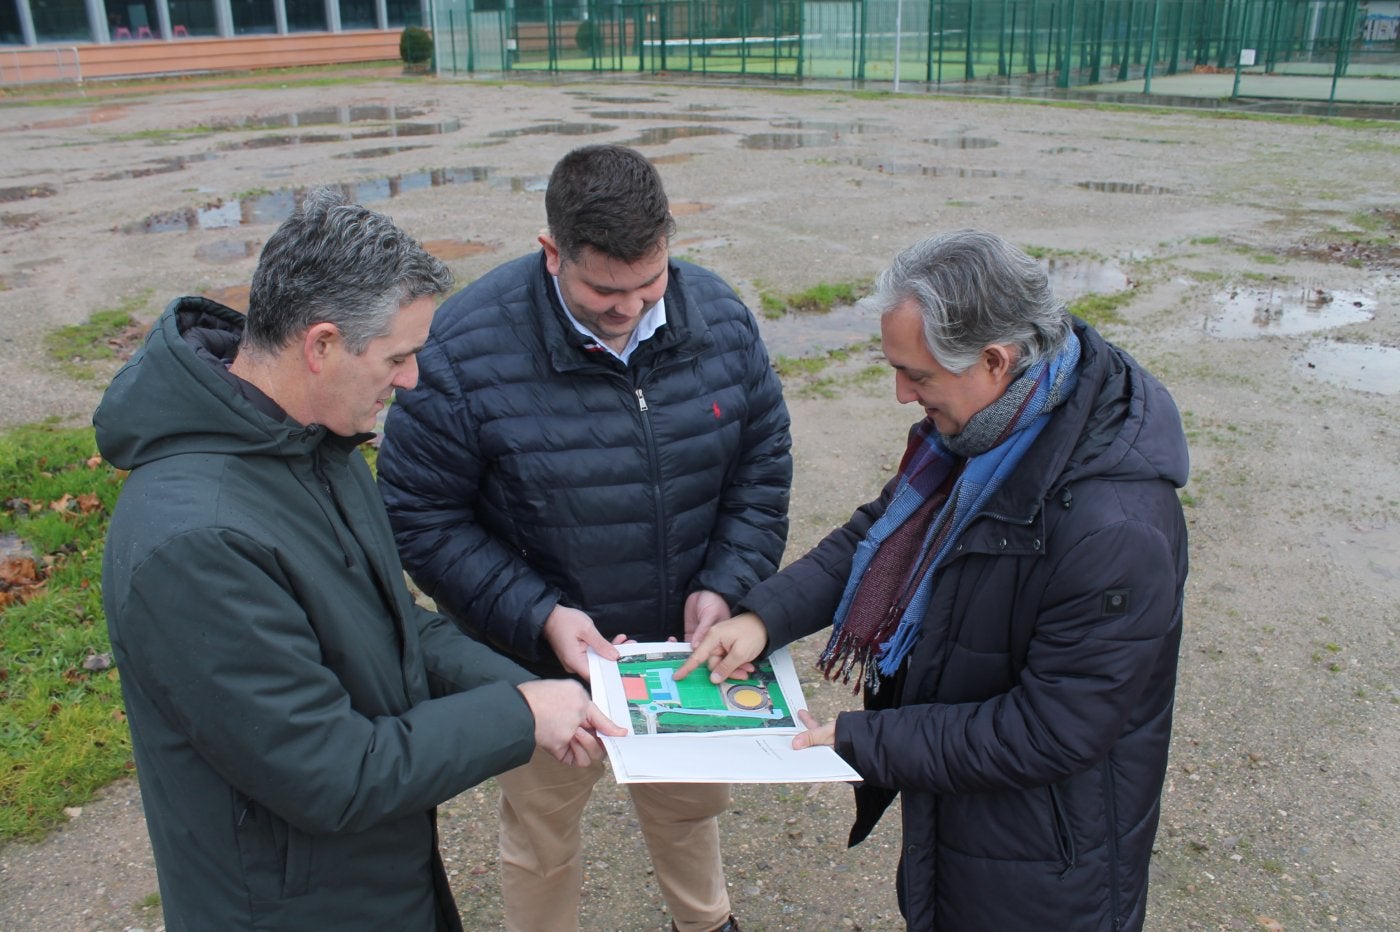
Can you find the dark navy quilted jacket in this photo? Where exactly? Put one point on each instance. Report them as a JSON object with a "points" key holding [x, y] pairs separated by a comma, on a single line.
{"points": [[529, 468], [1028, 740]]}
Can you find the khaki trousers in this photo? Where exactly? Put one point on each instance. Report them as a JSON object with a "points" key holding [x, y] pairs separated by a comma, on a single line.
{"points": [[542, 805]]}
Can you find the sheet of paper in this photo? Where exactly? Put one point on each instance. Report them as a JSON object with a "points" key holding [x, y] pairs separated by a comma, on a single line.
{"points": [[695, 731]]}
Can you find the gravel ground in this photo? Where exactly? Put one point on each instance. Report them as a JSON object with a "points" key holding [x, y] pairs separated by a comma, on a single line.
{"points": [[1281, 799]]}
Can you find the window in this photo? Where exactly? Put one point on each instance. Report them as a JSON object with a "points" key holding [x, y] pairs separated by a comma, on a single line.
{"points": [[358, 14], [306, 16], [60, 21], [404, 12], [253, 16], [197, 16]]}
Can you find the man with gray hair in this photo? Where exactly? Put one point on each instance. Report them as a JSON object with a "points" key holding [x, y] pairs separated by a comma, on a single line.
{"points": [[295, 716], [1011, 604]]}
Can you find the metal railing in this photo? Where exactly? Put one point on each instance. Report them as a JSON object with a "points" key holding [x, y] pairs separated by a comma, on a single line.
{"points": [[40, 65]]}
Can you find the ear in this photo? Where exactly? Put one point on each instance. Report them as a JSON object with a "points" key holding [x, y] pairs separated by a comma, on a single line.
{"points": [[551, 253], [317, 344], [999, 359]]}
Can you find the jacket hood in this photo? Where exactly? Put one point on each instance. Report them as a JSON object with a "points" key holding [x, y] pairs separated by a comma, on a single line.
{"points": [[1132, 426], [1120, 423], [174, 396]]}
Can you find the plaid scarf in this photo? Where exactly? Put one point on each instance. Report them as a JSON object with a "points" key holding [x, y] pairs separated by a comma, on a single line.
{"points": [[943, 483]]}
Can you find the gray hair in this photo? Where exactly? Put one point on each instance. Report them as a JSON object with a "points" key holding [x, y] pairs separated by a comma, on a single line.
{"points": [[974, 289], [336, 262]]}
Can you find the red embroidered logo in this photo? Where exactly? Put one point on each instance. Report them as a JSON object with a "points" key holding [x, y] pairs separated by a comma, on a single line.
{"points": [[714, 406]]}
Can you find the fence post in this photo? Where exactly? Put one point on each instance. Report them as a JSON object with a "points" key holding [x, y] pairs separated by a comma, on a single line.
{"points": [[1152, 48]]}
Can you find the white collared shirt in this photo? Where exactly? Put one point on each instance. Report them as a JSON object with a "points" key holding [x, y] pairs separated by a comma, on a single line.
{"points": [[653, 320]]}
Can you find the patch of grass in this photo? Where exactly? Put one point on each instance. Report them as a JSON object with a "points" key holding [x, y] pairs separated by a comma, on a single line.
{"points": [[1205, 241], [63, 733], [1101, 309], [149, 901], [818, 299], [77, 347]]}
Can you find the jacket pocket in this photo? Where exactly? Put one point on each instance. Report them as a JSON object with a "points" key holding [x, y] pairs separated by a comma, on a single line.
{"points": [[276, 857], [1064, 835]]}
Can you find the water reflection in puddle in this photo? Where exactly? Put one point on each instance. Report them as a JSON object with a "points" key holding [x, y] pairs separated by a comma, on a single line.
{"points": [[1286, 309], [556, 128], [276, 206], [852, 128], [686, 115], [1072, 278], [1363, 366], [303, 139], [378, 152], [781, 141], [661, 135], [1122, 187], [891, 167], [157, 167], [963, 142], [320, 116], [227, 251]]}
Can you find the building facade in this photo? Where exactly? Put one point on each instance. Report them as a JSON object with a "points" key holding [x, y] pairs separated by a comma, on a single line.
{"points": [[70, 22]]}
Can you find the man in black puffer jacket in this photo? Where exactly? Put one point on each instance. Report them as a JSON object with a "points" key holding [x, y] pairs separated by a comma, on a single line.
{"points": [[598, 448], [1011, 604]]}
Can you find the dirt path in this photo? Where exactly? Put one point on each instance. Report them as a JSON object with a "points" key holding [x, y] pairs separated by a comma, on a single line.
{"points": [[1285, 776]]}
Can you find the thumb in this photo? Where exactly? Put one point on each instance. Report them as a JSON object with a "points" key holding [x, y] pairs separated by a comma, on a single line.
{"points": [[601, 645]]}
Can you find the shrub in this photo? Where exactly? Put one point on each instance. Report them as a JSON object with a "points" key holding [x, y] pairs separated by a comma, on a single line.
{"points": [[415, 45]]}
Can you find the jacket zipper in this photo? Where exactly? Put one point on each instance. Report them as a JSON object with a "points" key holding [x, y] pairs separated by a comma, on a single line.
{"points": [[653, 468]]}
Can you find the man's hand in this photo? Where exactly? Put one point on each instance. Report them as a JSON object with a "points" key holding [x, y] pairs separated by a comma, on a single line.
{"points": [[729, 646], [702, 609], [570, 633], [567, 724], [816, 735]]}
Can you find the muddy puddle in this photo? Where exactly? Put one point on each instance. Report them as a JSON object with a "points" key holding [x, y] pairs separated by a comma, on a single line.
{"points": [[322, 116], [378, 152], [282, 140], [1285, 309], [557, 128], [26, 192], [660, 135], [157, 167], [1365, 367], [963, 142], [892, 167], [226, 251], [689, 115], [1122, 187], [276, 206]]}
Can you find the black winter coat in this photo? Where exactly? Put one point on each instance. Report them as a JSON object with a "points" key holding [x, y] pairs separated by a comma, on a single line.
{"points": [[295, 717], [529, 468], [1029, 741]]}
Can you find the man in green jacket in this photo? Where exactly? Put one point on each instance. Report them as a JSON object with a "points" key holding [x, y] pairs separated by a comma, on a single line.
{"points": [[295, 716]]}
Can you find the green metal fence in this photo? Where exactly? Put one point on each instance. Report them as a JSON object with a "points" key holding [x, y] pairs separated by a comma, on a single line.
{"points": [[1059, 43]]}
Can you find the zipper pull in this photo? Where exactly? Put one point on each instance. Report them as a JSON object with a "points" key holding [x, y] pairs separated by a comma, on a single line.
{"points": [[641, 401]]}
